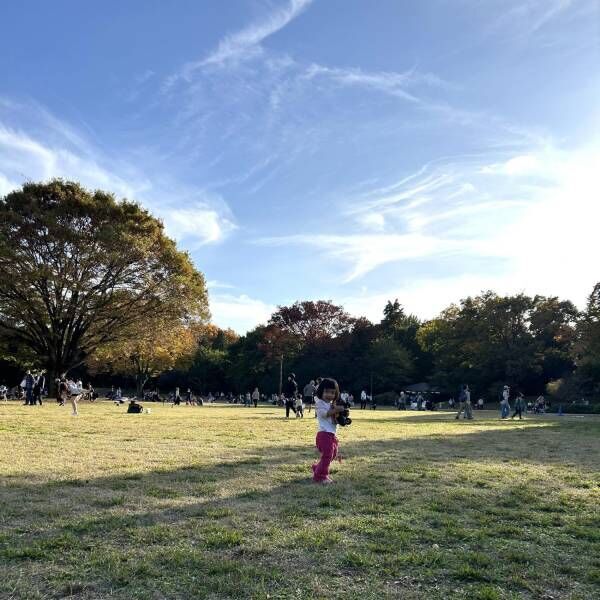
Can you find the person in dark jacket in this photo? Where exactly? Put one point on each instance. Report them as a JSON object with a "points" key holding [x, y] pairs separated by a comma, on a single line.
{"points": [[290, 392], [134, 407], [519, 406], [28, 383], [38, 388]]}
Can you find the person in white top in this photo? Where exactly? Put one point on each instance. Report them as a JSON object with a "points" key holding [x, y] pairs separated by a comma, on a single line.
{"points": [[363, 400], [326, 395], [299, 406], [505, 403]]}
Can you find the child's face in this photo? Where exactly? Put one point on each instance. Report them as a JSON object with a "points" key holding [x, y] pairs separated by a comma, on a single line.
{"points": [[328, 395]]}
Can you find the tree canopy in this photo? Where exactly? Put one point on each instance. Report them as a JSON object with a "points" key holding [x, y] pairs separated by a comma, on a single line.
{"points": [[81, 269]]}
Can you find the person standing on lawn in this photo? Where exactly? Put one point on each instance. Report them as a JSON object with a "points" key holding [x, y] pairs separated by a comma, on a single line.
{"points": [[38, 388], [299, 406], [504, 403], [519, 406], [464, 403], [291, 389], [255, 397], [328, 392], [27, 384], [308, 392], [189, 398], [363, 400]]}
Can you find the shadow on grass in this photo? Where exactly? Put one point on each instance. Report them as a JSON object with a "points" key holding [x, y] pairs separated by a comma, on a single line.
{"points": [[236, 529]]}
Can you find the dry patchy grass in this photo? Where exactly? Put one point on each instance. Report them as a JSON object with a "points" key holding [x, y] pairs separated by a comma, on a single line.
{"points": [[215, 502]]}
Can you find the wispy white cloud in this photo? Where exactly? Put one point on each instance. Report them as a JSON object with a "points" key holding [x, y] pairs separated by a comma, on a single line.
{"points": [[245, 43], [59, 150], [527, 18], [366, 252], [387, 82], [534, 212], [548, 248]]}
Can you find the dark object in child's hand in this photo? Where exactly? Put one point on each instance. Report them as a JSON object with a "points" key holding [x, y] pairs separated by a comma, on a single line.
{"points": [[343, 418]]}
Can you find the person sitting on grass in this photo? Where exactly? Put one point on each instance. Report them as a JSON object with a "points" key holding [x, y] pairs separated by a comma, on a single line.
{"points": [[328, 392], [134, 407]]}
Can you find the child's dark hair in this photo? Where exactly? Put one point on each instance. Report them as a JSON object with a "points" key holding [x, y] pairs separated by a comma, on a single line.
{"points": [[328, 384]]}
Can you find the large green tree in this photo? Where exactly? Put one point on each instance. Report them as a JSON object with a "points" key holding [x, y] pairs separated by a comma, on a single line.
{"points": [[587, 376], [489, 340], [80, 269]]}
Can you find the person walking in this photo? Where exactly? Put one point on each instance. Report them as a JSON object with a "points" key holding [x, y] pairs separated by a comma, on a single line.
{"points": [[464, 403], [519, 406], [255, 397], [291, 390], [327, 393], [176, 397]]}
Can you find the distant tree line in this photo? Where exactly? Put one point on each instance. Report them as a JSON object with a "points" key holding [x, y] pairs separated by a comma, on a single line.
{"points": [[535, 344], [92, 285]]}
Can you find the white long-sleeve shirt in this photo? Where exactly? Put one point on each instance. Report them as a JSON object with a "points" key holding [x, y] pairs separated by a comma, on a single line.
{"points": [[324, 421]]}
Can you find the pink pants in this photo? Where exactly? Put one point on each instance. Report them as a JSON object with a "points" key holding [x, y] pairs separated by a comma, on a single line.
{"points": [[327, 444]]}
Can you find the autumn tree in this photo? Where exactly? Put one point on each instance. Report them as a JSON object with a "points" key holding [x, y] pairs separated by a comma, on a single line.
{"points": [[80, 268], [149, 350], [310, 321]]}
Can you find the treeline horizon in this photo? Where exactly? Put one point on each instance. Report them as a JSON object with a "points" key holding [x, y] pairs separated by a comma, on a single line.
{"points": [[94, 287], [534, 344]]}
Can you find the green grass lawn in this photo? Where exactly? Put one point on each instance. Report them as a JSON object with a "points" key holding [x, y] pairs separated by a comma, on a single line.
{"points": [[216, 502]]}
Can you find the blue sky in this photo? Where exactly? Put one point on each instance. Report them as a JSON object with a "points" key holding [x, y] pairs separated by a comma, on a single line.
{"points": [[337, 149]]}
